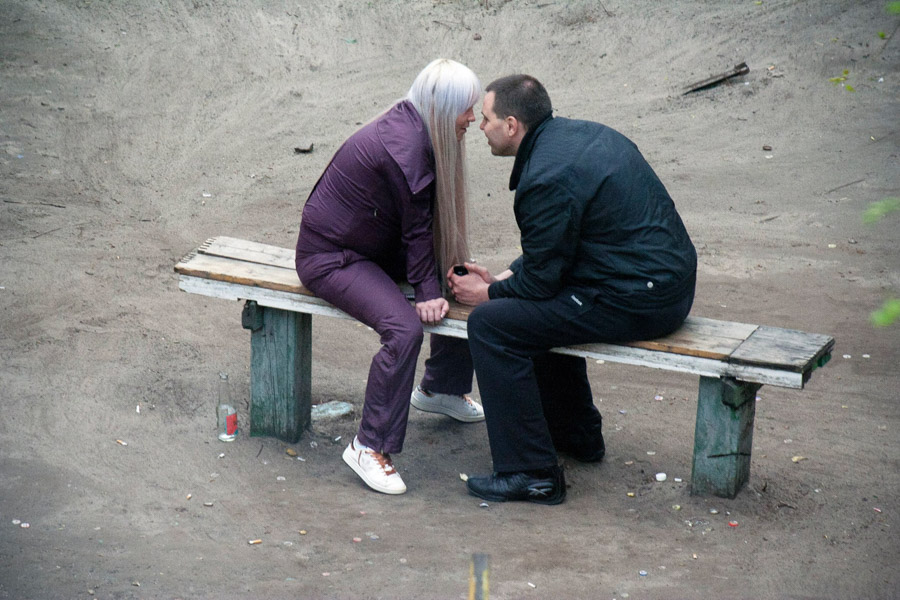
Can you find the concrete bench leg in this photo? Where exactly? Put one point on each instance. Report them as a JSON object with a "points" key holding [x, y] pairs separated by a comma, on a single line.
{"points": [[723, 437], [280, 371]]}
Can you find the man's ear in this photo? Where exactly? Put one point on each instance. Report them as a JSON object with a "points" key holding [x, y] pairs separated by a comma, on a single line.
{"points": [[512, 126]]}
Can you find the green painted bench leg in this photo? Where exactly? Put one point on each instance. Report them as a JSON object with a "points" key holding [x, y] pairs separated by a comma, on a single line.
{"points": [[723, 437], [280, 371]]}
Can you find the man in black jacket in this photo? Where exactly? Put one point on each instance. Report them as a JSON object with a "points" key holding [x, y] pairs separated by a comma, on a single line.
{"points": [[605, 258]]}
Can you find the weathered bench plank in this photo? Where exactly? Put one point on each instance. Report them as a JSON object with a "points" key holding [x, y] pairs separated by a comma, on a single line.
{"points": [[251, 265], [732, 359]]}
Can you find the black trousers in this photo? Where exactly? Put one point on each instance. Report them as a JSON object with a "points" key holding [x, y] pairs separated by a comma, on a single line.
{"points": [[531, 396]]}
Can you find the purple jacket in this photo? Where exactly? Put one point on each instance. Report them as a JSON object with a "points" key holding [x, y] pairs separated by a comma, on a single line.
{"points": [[374, 202]]}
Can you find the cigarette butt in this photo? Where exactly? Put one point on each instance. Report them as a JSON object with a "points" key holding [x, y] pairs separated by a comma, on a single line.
{"points": [[121, 443], [254, 542]]}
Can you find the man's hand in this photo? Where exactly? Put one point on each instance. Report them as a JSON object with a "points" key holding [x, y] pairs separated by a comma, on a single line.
{"points": [[471, 289], [432, 311]]}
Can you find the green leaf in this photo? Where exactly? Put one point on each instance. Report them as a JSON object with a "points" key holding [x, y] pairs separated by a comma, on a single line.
{"points": [[882, 34], [893, 8], [888, 314], [849, 88], [878, 210]]}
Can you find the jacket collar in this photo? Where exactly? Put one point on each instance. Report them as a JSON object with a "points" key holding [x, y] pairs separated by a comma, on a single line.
{"points": [[524, 151]]}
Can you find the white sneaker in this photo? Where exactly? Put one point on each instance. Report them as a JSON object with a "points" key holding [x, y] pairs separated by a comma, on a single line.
{"points": [[374, 468], [461, 408]]}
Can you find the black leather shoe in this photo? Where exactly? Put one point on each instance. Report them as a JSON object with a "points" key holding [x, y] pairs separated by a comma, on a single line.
{"points": [[547, 486]]}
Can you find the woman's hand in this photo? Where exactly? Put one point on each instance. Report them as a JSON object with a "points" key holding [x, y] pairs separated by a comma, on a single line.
{"points": [[432, 311]]}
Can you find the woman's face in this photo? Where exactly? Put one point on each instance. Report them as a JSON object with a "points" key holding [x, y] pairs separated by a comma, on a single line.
{"points": [[462, 122]]}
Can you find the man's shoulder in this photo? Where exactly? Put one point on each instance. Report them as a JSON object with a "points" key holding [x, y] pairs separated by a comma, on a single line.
{"points": [[568, 125], [575, 130]]}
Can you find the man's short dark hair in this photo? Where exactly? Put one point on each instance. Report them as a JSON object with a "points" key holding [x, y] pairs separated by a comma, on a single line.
{"points": [[520, 96]]}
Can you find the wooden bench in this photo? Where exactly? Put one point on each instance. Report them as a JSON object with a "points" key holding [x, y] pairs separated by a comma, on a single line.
{"points": [[732, 359]]}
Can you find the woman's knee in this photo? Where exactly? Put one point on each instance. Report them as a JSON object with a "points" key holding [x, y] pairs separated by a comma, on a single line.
{"points": [[404, 335]]}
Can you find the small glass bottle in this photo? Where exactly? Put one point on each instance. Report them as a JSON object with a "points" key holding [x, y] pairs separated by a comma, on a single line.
{"points": [[225, 412]]}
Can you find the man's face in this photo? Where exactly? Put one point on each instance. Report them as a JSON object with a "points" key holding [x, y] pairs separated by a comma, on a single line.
{"points": [[495, 129]]}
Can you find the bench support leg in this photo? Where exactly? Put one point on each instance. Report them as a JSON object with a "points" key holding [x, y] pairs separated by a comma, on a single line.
{"points": [[723, 437], [280, 371]]}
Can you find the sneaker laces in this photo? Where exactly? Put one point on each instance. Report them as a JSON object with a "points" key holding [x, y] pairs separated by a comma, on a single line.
{"points": [[383, 460]]}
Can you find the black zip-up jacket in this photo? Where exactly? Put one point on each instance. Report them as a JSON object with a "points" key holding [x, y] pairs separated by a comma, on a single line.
{"points": [[595, 218]]}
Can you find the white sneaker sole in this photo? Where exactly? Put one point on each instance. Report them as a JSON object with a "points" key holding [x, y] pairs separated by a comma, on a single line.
{"points": [[350, 458], [424, 406]]}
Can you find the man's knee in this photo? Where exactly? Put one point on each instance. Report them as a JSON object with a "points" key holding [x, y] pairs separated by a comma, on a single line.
{"points": [[478, 322]]}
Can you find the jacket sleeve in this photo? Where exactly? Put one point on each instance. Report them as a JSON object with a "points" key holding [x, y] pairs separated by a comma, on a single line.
{"points": [[549, 217], [418, 239]]}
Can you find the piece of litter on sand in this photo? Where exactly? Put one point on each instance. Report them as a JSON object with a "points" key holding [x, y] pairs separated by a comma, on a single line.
{"points": [[739, 69], [463, 476], [330, 410], [484, 505]]}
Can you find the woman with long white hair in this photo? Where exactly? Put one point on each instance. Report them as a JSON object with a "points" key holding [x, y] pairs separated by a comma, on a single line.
{"points": [[391, 206]]}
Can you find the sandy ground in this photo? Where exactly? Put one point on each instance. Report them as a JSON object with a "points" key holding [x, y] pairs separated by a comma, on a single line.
{"points": [[132, 131]]}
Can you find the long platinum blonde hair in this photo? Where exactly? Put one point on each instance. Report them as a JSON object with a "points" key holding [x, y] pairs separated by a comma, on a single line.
{"points": [[441, 92]]}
